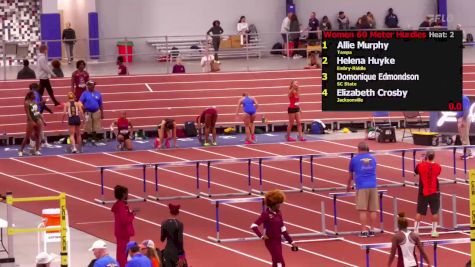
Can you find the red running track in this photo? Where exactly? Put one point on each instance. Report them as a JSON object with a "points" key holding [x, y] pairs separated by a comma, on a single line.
{"points": [[149, 98], [77, 175]]}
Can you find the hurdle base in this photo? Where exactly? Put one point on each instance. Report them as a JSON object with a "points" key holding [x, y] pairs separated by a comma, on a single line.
{"points": [[445, 232], [463, 181], [463, 227], [285, 191], [391, 185], [225, 194], [239, 239], [340, 233], [450, 181], [110, 202], [155, 198], [323, 189], [428, 227]]}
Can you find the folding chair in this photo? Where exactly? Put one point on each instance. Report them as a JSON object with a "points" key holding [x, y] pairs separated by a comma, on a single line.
{"points": [[382, 121], [412, 120]]}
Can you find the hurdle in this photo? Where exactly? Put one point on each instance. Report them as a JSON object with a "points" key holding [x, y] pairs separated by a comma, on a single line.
{"points": [[456, 225], [335, 215], [434, 243], [157, 196], [102, 169], [277, 158], [62, 228], [248, 180], [218, 202], [440, 225]]}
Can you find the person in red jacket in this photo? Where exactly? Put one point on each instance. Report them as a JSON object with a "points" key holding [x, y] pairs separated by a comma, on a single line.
{"points": [[429, 192], [274, 227], [123, 222]]}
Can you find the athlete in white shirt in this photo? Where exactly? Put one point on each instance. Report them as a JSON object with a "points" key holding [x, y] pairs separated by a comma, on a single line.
{"points": [[405, 242]]}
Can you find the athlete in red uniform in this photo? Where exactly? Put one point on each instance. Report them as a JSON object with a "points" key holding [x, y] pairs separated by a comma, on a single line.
{"points": [[208, 117], [79, 79], [294, 112], [429, 192], [124, 131]]}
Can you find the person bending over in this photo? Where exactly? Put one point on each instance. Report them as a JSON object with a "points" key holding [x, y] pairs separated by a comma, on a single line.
{"points": [[124, 131], [208, 118], [166, 129]]}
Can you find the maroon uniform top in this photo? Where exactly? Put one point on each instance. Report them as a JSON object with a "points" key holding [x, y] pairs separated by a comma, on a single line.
{"points": [[210, 111], [123, 224], [80, 78], [178, 69], [122, 70], [273, 225]]}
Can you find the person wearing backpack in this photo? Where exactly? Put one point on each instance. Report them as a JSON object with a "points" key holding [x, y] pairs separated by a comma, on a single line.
{"points": [[391, 19], [172, 231]]}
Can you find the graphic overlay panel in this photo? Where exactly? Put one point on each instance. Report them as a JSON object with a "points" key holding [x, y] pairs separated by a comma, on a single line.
{"points": [[392, 71]]}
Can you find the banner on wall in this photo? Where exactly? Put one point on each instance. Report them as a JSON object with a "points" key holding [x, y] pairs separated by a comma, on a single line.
{"points": [[446, 122]]}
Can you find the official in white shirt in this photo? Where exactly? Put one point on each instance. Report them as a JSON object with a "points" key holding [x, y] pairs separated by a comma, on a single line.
{"points": [[44, 72]]}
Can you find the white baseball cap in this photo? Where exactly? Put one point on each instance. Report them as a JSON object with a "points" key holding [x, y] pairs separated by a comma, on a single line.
{"points": [[44, 258], [99, 244], [148, 244]]}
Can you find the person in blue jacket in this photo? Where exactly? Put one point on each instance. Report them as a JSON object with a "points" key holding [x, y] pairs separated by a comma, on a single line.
{"points": [[463, 124]]}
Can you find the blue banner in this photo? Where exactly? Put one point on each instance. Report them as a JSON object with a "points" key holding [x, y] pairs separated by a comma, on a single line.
{"points": [[51, 31], [94, 35]]}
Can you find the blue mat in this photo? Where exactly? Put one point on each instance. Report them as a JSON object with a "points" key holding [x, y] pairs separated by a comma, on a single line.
{"points": [[111, 146]]}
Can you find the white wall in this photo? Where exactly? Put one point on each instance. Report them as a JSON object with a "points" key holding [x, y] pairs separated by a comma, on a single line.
{"points": [[461, 12], [127, 18], [76, 12], [410, 12], [49, 6]]}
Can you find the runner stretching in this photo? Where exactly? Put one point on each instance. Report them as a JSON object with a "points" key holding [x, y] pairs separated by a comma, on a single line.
{"points": [[249, 106]]}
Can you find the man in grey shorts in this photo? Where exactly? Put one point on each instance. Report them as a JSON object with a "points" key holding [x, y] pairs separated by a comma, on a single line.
{"points": [[362, 169]]}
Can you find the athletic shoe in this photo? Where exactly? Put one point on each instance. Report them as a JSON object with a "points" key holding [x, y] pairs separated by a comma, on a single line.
{"points": [[214, 143], [20, 153], [74, 151], [206, 144], [371, 233], [301, 138], [469, 156], [248, 142], [167, 144], [253, 137], [290, 139], [37, 153], [364, 234], [434, 234]]}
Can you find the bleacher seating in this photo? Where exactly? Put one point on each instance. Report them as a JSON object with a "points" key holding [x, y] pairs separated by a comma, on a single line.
{"points": [[230, 47]]}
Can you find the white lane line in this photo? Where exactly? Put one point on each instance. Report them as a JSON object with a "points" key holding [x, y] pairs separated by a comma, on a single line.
{"points": [[148, 87]]}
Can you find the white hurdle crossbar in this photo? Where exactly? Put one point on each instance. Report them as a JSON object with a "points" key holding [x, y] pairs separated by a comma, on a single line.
{"points": [[218, 239]]}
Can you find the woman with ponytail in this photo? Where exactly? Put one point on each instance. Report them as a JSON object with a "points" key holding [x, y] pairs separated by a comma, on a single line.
{"points": [[405, 242]]}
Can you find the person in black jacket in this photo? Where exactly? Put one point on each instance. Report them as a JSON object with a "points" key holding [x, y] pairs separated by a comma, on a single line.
{"points": [[69, 39], [391, 19], [172, 231], [216, 32], [26, 73]]}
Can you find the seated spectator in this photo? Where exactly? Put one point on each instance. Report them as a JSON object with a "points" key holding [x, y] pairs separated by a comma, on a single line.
{"points": [[147, 248], [102, 258], [137, 259], [325, 25], [391, 19], [26, 72], [436, 23], [57, 68], [371, 20], [44, 259], [124, 132], [178, 67], [426, 23], [166, 131], [243, 29], [122, 69], [206, 61], [343, 21], [313, 62], [464, 35], [363, 23]]}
